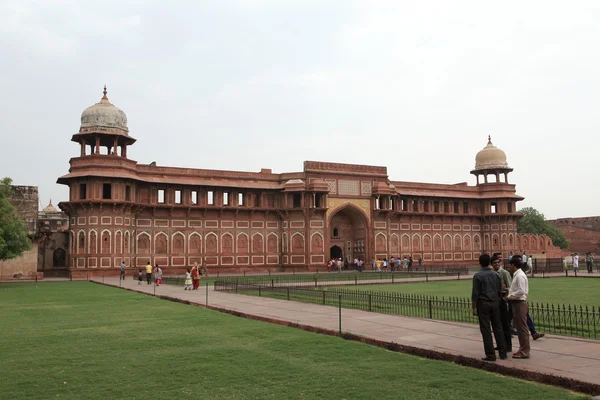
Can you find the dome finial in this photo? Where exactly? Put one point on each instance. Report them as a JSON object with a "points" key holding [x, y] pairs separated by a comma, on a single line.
{"points": [[489, 136], [104, 91]]}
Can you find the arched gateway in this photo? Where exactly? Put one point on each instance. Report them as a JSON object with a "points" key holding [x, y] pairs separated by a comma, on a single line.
{"points": [[348, 233]]}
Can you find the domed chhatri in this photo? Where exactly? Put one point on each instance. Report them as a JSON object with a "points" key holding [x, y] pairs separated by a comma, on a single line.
{"points": [[103, 117], [490, 157], [491, 162], [50, 208]]}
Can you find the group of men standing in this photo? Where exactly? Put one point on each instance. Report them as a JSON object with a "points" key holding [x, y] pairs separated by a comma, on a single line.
{"points": [[499, 297]]}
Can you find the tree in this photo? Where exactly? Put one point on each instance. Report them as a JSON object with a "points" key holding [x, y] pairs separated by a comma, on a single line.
{"points": [[13, 233], [534, 222]]}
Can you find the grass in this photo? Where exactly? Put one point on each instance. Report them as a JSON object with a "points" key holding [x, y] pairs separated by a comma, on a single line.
{"points": [[577, 291], [75, 340]]}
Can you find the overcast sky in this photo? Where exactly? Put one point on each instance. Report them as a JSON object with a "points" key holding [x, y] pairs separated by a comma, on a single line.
{"points": [[416, 86]]}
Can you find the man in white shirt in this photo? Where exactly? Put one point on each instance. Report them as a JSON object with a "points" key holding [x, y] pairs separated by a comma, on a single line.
{"points": [[517, 298], [575, 262]]}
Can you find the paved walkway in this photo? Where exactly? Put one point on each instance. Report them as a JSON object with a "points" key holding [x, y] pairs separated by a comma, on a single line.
{"points": [[563, 356]]}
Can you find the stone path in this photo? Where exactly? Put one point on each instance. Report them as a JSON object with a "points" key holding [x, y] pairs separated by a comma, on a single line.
{"points": [[562, 356]]}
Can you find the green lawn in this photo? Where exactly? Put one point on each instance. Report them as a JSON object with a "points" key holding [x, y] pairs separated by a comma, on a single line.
{"points": [[78, 340], [577, 291]]}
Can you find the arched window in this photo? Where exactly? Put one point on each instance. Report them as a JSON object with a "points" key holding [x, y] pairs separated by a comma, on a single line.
{"points": [[335, 232]]}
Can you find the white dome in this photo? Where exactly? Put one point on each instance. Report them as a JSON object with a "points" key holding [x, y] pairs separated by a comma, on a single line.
{"points": [[491, 157], [103, 117]]}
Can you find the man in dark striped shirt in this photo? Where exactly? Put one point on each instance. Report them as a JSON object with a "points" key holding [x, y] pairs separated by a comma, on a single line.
{"points": [[485, 297]]}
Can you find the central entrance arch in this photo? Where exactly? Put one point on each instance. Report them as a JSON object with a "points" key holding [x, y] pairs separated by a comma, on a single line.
{"points": [[335, 252], [348, 231]]}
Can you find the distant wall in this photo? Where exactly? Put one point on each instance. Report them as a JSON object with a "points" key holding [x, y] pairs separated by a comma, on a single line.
{"points": [[583, 233], [25, 199], [25, 265]]}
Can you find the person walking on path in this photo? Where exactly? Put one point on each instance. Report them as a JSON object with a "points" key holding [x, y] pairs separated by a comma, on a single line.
{"points": [[157, 275], [505, 314], [517, 298], [589, 262], [187, 285], [148, 272], [575, 262], [140, 276], [195, 277], [485, 296], [123, 267]]}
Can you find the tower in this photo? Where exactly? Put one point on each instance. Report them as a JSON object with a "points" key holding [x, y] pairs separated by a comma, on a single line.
{"points": [[102, 190]]}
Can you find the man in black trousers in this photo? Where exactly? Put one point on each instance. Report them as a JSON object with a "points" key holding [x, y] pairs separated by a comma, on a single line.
{"points": [[485, 297]]}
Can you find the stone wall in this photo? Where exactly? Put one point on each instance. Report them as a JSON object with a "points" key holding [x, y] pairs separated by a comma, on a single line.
{"points": [[22, 267], [25, 200]]}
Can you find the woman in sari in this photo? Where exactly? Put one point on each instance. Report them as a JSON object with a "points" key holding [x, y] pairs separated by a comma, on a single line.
{"points": [[195, 277]]}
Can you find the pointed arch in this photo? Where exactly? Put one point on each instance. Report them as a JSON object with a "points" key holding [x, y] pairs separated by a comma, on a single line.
{"points": [[405, 242], [381, 243], [92, 241], [127, 242], [298, 245], [143, 243], [457, 243], [427, 243], [118, 242], [161, 243], [486, 242], [394, 243], [447, 242], [106, 241], [211, 243], [416, 242], [194, 243], [495, 241], [272, 242], [467, 242], [81, 242], [178, 243], [316, 242], [504, 241], [477, 242], [227, 243], [243, 243], [258, 243], [284, 243], [437, 242], [72, 242]]}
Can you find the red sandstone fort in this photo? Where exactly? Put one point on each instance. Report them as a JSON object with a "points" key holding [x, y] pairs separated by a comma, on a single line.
{"points": [[122, 211]]}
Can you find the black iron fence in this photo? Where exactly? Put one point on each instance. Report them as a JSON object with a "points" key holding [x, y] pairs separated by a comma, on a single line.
{"points": [[559, 319], [346, 278]]}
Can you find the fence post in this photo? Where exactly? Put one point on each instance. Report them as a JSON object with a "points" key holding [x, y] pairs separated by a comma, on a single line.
{"points": [[206, 302], [272, 283], [340, 311], [236, 287], [567, 272], [88, 276], [323, 297], [459, 275], [288, 293], [244, 272], [369, 301], [315, 281], [355, 280], [426, 277], [430, 310], [392, 277], [575, 269]]}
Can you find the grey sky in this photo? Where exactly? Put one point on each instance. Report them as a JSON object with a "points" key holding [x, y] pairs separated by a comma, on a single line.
{"points": [[243, 85]]}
